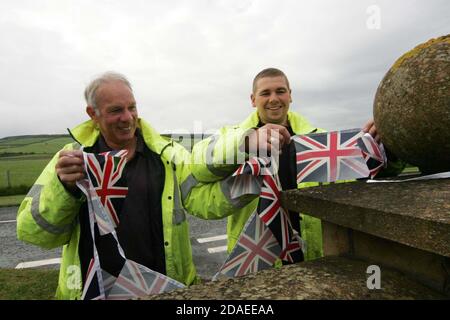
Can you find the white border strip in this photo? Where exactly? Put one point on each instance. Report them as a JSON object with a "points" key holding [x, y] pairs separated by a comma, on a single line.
{"points": [[441, 175], [210, 239], [217, 249], [8, 221], [38, 263]]}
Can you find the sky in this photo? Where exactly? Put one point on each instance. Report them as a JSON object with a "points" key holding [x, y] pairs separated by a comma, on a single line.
{"points": [[191, 63]]}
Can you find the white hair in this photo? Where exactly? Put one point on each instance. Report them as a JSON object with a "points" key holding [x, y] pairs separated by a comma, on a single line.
{"points": [[90, 91]]}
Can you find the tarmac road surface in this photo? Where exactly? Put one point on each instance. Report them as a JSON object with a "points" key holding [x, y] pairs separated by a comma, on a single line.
{"points": [[207, 238]]}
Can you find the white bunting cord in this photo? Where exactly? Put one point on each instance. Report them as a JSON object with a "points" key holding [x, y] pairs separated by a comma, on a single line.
{"points": [[441, 175]]}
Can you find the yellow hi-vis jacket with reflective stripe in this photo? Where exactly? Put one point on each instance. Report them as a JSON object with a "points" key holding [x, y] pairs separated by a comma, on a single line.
{"points": [[48, 216], [215, 158]]}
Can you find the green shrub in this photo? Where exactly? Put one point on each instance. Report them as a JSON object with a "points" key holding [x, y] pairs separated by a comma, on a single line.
{"points": [[10, 191]]}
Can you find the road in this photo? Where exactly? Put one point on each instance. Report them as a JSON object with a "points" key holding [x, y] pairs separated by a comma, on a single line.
{"points": [[207, 239]]}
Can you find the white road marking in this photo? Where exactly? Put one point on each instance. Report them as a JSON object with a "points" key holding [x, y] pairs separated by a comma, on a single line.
{"points": [[210, 239], [38, 263], [8, 221], [217, 249]]}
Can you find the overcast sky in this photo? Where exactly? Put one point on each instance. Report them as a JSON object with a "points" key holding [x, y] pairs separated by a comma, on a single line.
{"points": [[191, 63]]}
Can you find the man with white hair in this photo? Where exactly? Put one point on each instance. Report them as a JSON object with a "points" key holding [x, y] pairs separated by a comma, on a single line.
{"points": [[153, 230]]}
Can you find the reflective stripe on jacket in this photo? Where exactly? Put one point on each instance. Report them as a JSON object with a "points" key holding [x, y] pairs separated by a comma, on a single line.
{"points": [[48, 216]]}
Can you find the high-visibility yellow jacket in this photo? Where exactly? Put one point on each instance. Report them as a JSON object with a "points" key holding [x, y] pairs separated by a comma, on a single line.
{"points": [[215, 158], [48, 216]]}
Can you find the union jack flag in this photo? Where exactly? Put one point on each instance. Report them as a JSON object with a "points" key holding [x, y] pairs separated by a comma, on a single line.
{"points": [[268, 234], [247, 179], [136, 280], [257, 249], [291, 253], [253, 167], [331, 156], [373, 153], [93, 288], [275, 217], [105, 172]]}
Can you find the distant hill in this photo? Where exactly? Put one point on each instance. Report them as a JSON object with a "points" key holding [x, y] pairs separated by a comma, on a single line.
{"points": [[32, 144], [49, 144], [22, 158], [43, 136]]}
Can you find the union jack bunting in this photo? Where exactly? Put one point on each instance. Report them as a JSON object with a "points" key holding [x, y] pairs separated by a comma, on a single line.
{"points": [[101, 217], [93, 290], [291, 253], [98, 282], [134, 280], [105, 173], [247, 179], [257, 249], [330, 156], [254, 167], [268, 234], [275, 217], [373, 153]]}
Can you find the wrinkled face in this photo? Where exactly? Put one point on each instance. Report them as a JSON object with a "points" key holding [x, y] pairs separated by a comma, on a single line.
{"points": [[271, 98], [117, 114]]}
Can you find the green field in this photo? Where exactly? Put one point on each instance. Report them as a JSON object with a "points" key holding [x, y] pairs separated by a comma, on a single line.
{"points": [[37, 146], [10, 201], [11, 142], [23, 158], [22, 170]]}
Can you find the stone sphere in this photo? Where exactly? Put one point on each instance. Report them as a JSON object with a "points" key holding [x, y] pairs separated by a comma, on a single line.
{"points": [[412, 106]]}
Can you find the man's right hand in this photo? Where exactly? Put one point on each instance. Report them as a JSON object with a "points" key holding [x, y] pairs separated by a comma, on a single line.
{"points": [[267, 139], [70, 168]]}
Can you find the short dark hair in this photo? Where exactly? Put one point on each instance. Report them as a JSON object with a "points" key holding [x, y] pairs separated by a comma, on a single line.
{"points": [[270, 72]]}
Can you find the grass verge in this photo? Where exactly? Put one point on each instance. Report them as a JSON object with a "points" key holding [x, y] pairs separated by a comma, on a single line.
{"points": [[411, 170], [28, 284]]}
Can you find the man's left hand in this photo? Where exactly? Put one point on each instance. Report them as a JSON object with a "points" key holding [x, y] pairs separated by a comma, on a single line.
{"points": [[370, 128]]}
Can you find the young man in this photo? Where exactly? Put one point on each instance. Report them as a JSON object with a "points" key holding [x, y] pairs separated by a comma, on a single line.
{"points": [[153, 230], [270, 126]]}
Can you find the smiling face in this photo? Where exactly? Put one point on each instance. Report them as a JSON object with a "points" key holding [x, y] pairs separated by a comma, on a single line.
{"points": [[117, 114], [271, 98]]}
